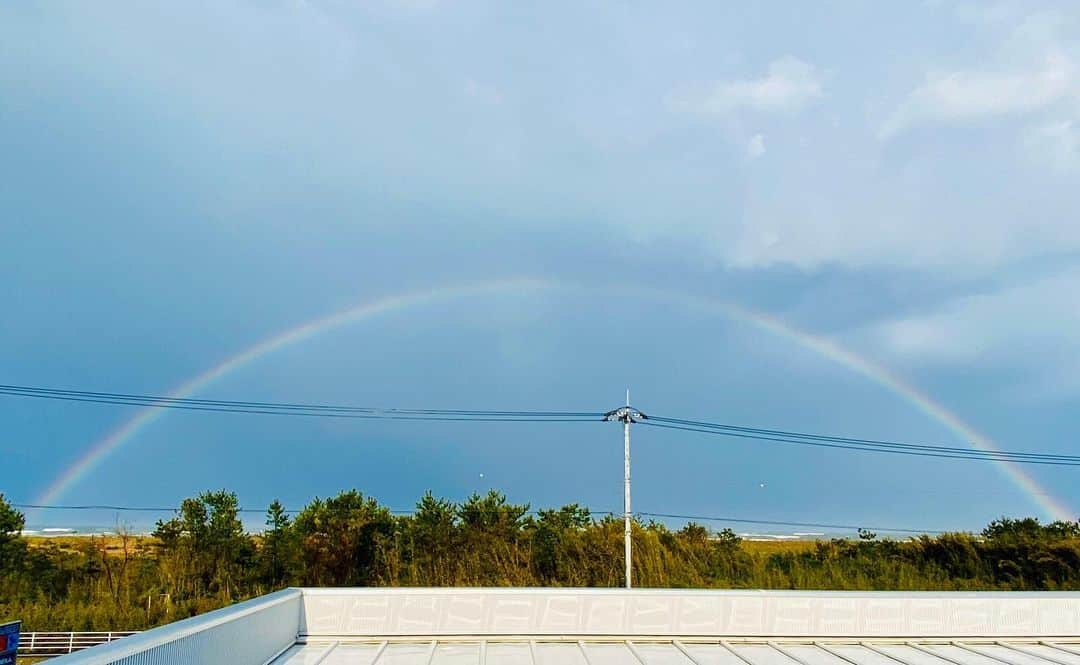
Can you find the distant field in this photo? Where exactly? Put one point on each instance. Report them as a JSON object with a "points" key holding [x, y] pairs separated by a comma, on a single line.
{"points": [[114, 544], [773, 547]]}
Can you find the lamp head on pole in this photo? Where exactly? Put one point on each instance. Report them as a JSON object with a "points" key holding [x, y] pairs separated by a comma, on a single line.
{"points": [[625, 414]]}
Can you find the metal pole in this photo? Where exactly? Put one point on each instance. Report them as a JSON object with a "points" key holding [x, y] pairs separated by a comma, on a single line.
{"points": [[626, 495], [627, 415]]}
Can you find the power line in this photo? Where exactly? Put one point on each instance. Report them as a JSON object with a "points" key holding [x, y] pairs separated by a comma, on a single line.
{"points": [[816, 525], [258, 511], [162, 509], [701, 518], [318, 410], [859, 441], [125, 509], [331, 407], [974, 455], [293, 409], [927, 451]]}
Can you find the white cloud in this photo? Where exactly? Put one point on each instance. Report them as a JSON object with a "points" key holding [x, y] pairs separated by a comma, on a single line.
{"points": [[958, 96], [857, 215], [755, 147], [362, 109], [789, 85], [1032, 67], [1029, 328]]}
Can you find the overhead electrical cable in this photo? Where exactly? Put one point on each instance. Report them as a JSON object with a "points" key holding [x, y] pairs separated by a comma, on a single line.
{"points": [[815, 525], [294, 409], [975, 455], [163, 509], [318, 410], [701, 518], [852, 440]]}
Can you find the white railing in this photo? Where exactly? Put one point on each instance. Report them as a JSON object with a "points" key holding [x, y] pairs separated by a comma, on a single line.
{"points": [[43, 644], [248, 633]]}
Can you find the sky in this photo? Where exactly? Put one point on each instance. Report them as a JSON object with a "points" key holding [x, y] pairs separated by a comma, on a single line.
{"points": [[894, 186]]}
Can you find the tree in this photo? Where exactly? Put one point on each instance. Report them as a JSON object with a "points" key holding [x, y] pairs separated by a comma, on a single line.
{"points": [[1060, 530], [205, 544], [115, 566], [549, 532], [728, 539], [695, 533], [12, 547], [570, 516], [432, 536], [491, 515], [491, 528], [1006, 529], [343, 539], [279, 557]]}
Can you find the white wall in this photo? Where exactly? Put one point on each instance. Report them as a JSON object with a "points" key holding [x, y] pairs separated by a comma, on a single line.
{"points": [[444, 612]]}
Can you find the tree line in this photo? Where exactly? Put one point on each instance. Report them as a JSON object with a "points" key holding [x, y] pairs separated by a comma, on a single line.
{"points": [[202, 558]]}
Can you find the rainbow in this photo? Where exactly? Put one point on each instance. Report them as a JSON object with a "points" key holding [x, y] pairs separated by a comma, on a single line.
{"points": [[97, 453], [103, 449], [886, 379]]}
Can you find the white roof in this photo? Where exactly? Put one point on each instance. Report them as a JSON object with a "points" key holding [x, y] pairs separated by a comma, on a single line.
{"points": [[676, 652], [607, 626]]}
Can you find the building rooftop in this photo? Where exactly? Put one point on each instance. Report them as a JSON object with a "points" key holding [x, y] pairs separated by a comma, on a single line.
{"points": [[615, 626], [678, 652]]}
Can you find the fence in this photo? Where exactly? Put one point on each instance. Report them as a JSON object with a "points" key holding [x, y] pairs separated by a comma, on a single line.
{"points": [[43, 645]]}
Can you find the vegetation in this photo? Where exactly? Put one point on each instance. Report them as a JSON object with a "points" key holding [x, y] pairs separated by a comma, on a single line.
{"points": [[202, 558]]}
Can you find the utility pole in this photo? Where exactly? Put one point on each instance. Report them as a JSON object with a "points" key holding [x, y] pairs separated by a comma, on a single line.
{"points": [[627, 415]]}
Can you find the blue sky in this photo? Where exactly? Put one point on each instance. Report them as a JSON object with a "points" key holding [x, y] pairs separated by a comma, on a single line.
{"points": [[178, 182]]}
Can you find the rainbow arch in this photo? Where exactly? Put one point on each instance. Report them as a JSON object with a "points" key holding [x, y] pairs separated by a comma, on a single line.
{"points": [[102, 449]]}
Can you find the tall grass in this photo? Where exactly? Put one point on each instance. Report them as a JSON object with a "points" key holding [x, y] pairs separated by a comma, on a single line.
{"points": [[202, 559]]}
